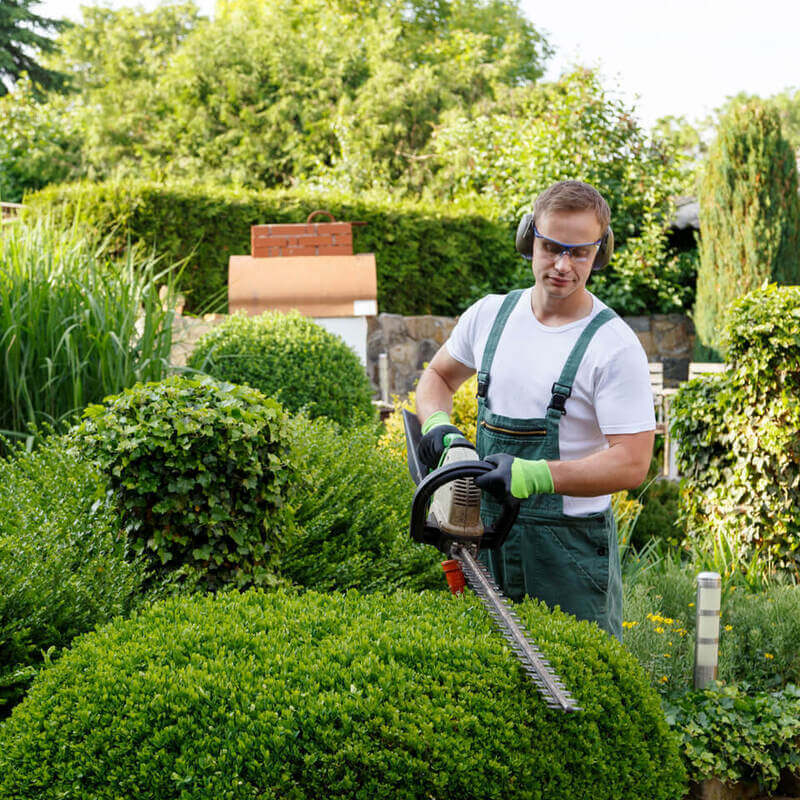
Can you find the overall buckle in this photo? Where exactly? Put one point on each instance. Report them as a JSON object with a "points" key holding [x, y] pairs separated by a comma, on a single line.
{"points": [[561, 394]]}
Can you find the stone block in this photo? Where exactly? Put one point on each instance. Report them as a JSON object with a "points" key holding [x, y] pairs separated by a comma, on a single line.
{"points": [[648, 343], [638, 324], [394, 328], [430, 327], [375, 345], [671, 334], [425, 352]]}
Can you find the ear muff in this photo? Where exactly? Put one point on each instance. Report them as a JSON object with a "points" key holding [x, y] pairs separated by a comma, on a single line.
{"points": [[524, 243]]}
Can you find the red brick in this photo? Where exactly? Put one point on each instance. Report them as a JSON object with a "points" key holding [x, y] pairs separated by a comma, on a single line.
{"points": [[299, 251], [267, 252], [333, 250], [291, 230], [333, 227], [274, 241]]}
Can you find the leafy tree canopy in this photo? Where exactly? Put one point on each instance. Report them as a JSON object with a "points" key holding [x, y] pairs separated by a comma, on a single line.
{"points": [[22, 34], [269, 93]]}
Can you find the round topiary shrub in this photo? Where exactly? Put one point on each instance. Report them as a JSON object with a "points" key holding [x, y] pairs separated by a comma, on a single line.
{"points": [[200, 472], [291, 358], [408, 696]]}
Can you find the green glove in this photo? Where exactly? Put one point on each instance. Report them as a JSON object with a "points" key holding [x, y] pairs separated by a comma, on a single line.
{"points": [[517, 477], [437, 434]]}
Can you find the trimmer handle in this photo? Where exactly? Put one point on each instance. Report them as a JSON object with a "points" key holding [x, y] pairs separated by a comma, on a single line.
{"points": [[422, 531]]}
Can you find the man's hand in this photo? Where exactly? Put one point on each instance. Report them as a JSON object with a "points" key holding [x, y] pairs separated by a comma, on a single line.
{"points": [[517, 477], [432, 445]]}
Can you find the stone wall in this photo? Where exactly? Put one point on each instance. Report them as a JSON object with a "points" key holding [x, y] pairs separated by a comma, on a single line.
{"points": [[411, 342]]}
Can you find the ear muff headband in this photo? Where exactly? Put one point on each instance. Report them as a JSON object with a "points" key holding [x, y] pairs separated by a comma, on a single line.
{"points": [[524, 243]]}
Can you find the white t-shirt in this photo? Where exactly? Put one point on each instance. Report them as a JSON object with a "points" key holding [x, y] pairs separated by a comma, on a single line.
{"points": [[611, 393]]}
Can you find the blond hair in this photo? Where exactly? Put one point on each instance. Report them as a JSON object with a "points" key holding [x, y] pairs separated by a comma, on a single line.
{"points": [[572, 196]]}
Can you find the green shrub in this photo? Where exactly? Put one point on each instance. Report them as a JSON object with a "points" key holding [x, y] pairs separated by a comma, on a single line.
{"points": [[428, 257], [62, 562], [738, 449], [276, 696], [352, 507], [750, 210], [291, 358], [200, 472], [733, 733], [74, 326]]}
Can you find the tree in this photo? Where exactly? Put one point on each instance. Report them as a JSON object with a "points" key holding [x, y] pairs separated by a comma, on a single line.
{"points": [[749, 215], [21, 34], [510, 149], [347, 91], [40, 142], [114, 61]]}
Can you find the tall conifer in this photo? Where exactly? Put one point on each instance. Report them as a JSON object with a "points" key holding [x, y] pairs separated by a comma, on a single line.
{"points": [[749, 216]]}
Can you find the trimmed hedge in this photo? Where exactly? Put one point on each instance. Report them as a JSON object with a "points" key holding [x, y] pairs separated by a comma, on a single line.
{"points": [[291, 358], [200, 471], [352, 503], [430, 259], [63, 569], [276, 696]]}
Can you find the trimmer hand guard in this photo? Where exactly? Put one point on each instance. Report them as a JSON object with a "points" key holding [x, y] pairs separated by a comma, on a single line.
{"points": [[423, 529]]}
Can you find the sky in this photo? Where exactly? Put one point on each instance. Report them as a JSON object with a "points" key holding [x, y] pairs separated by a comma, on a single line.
{"points": [[665, 57]]}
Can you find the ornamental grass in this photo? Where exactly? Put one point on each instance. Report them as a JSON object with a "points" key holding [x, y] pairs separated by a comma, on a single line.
{"points": [[75, 324]]}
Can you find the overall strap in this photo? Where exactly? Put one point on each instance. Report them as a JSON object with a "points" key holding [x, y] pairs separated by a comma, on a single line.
{"points": [[500, 320], [562, 388]]}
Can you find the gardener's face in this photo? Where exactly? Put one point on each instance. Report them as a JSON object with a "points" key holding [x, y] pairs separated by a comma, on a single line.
{"points": [[560, 272]]}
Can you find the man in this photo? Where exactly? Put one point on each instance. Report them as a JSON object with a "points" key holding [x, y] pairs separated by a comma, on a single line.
{"points": [[565, 410]]}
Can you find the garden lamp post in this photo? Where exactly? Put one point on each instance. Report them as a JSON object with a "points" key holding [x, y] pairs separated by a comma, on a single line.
{"points": [[706, 647]]}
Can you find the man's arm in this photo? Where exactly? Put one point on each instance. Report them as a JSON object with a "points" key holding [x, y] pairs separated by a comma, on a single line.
{"points": [[438, 384], [623, 465]]}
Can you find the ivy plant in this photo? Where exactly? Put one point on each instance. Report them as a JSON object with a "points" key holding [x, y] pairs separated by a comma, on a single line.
{"points": [[739, 451]]}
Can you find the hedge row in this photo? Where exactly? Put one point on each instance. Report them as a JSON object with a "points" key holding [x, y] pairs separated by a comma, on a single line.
{"points": [[431, 259]]}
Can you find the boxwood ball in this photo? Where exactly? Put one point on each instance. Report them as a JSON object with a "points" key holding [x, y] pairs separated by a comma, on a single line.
{"points": [[291, 358], [410, 695]]}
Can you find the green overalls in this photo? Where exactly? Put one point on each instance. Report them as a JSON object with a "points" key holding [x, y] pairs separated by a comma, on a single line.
{"points": [[572, 562]]}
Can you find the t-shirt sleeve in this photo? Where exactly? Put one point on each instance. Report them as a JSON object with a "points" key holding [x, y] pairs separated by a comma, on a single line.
{"points": [[463, 341], [623, 397]]}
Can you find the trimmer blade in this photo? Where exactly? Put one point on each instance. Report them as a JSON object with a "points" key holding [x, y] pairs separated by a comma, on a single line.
{"points": [[548, 683]]}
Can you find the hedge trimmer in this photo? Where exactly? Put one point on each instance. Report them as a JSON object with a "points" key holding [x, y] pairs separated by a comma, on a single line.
{"points": [[445, 513]]}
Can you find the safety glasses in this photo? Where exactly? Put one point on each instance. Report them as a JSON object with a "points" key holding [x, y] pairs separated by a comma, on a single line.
{"points": [[578, 253]]}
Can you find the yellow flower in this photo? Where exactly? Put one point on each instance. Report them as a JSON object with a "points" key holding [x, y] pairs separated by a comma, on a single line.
{"points": [[769, 655], [729, 627], [659, 629], [630, 624], [667, 655], [691, 605], [664, 679]]}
